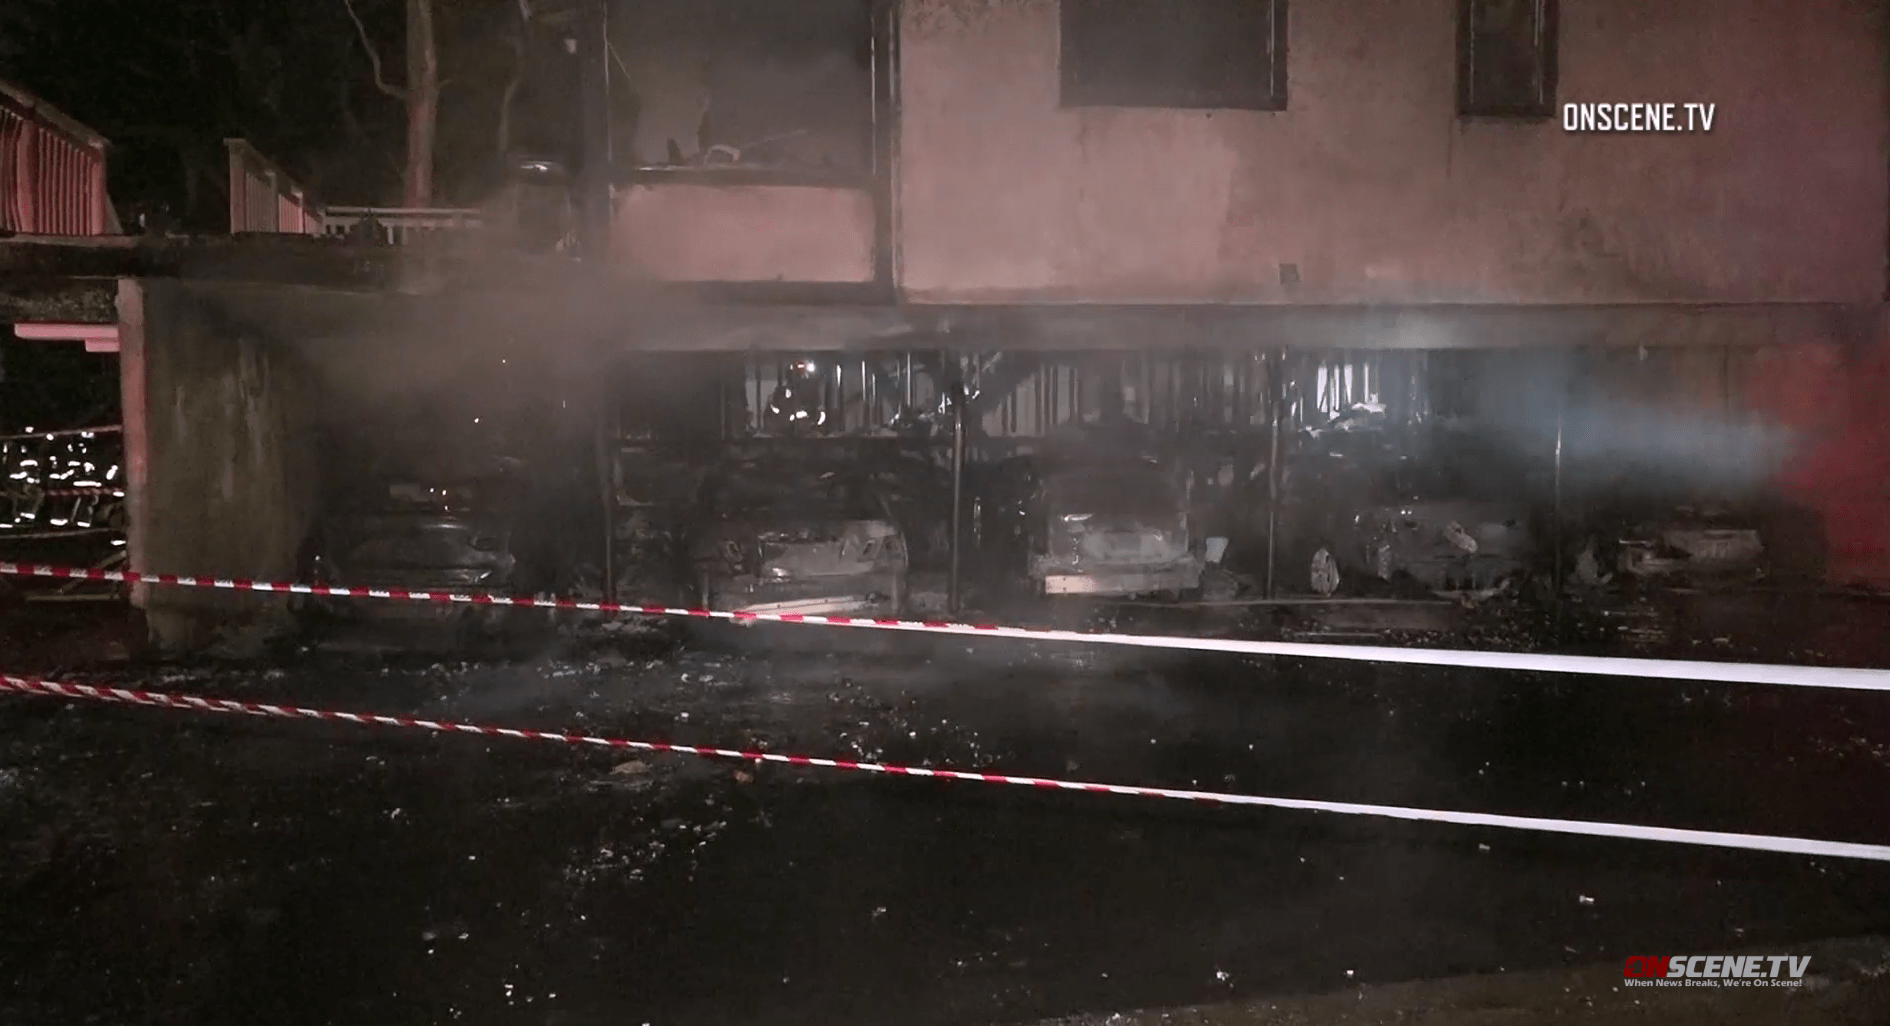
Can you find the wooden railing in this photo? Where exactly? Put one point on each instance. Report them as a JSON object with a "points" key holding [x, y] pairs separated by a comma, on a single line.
{"points": [[52, 171], [263, 198]]}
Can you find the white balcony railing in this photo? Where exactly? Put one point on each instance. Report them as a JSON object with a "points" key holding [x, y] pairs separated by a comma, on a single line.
{"points": [[264, 198], [398, 226]]}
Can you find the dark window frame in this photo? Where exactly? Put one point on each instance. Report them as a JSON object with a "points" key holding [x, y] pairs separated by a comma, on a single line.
{"points": [[1548, 22], [1078, 89]]}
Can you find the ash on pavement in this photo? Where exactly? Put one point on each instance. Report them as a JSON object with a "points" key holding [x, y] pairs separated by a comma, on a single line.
{"points": [[166, 867]]}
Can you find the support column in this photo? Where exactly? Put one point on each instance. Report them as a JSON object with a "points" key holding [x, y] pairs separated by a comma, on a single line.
{"points": [[134, 415], [955, 592], [1276, 390], [595, 163]]}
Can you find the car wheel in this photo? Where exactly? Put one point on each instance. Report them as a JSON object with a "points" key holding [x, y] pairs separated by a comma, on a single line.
{"points": [[1323, 572]]}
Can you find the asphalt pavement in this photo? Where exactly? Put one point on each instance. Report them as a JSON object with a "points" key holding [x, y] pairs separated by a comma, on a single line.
{"points": [[168, 867]]}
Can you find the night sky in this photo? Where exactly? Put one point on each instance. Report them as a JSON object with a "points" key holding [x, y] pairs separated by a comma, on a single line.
{"points": [[168, 81]]}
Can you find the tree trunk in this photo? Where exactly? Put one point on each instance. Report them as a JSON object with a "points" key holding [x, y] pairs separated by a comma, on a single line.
{"points": [[423, 103]]}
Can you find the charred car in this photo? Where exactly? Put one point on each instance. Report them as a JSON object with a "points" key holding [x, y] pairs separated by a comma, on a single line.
{"points": [[1694, 543], [784, 535], [1088, 525], [1365, 514], [460, 537]]}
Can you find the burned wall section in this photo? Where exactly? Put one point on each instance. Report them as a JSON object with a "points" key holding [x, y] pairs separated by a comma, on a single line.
{"points": [[229, 486]]}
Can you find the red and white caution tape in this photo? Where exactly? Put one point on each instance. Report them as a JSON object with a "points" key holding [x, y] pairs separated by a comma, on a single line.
{"points": [[1603, 666], [1628, 831]]}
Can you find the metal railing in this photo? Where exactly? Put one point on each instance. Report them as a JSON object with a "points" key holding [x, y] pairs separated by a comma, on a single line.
{"points": [[399, 226]]}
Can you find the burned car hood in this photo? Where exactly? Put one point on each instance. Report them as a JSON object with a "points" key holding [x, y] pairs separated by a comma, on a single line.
{"points": [[1699, 542], [797, 549], [1485, 528]]}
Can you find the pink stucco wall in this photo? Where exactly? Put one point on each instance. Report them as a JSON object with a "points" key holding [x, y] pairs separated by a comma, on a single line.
{"points": [[1378, 192], [744, 233]]}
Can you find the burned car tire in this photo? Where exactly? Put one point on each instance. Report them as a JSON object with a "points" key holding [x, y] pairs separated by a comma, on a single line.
{"points": [[1323, 574]]}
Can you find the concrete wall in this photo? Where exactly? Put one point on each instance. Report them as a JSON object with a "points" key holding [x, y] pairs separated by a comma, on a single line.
{"points": [[1372, 186], [222, 476]]}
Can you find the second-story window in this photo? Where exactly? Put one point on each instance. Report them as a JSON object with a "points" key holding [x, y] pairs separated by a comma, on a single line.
{"points": [[1506, 58], [1198, 54]]}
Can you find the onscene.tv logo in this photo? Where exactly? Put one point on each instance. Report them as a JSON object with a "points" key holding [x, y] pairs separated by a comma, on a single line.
{"points": [[1638, 117], [1716, 970]]}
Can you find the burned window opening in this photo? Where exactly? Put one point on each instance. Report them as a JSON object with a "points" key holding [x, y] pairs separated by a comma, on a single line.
{"points": [[734, 86], [1186, 54], [1506, 50]]}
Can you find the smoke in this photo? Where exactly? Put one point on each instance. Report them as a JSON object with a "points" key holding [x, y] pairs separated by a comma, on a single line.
{"points": [[1640, 424]]}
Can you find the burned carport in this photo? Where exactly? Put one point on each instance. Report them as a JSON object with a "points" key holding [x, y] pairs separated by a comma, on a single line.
{"points": [[1551, 410], [235, 390]]}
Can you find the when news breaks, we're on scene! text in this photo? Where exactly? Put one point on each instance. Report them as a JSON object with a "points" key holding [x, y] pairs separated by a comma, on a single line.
{"points": [[1715, 970], [1638, 117]]}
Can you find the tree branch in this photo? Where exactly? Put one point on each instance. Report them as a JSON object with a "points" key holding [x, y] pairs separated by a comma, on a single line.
{"points": [[373, 55]]}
